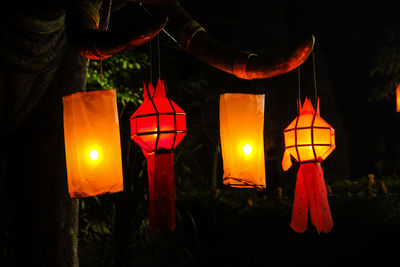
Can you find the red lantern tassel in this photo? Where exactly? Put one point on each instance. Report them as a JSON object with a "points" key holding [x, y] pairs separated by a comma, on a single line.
{"points": [[160, 168], [311, 195]]}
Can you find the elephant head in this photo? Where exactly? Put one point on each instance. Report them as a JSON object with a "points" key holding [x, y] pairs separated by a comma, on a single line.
{"points": [[87, 31]]}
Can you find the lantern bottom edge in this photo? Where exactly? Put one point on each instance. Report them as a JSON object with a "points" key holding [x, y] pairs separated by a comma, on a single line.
{"points": [[83, 194], [242, 183]]}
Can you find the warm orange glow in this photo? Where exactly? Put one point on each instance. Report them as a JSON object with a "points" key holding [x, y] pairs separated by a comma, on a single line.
{"points": [[398, 98], [94, 154], [308, 138], [92, 143], [159, 124], [242, 139], [247, 149]]}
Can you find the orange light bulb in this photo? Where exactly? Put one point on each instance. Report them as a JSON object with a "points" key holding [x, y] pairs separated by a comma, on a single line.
{"points": [[247, 149], [94, 154]]}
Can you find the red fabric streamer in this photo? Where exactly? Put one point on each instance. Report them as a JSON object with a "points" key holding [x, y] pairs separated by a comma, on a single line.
{"points": [[311, 195], [160, 168]]}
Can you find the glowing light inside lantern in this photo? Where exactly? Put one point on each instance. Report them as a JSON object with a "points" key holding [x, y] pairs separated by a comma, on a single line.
{"points": [[94, 154], [398, 98], [92, 143], [242, 139], [247, 149], [308, 138]]}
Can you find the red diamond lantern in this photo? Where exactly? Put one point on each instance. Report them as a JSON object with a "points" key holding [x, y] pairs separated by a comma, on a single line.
{"points": [[158, 126]]}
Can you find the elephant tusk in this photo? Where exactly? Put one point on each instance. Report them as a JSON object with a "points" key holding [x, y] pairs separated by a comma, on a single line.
{"points": [[256, 67], [192, 37]]}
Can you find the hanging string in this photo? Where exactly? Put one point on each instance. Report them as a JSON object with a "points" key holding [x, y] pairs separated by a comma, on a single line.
{"points": [[159, 56], [315, 78], [151, 63], [315, 83], [299, 89], [101, 69]]}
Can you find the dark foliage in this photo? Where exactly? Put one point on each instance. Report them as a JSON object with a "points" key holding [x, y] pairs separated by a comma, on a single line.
{"points": [[245, 228]]}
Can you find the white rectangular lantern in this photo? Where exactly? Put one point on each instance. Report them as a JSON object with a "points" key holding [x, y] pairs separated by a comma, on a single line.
{"points": [[92, 143], [242, 139]]}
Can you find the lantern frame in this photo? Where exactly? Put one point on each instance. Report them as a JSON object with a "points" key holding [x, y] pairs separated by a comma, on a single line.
{"points": [[312, 144], [158, 132]]}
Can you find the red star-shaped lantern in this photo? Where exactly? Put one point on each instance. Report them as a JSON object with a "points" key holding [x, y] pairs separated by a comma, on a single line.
{"points": [[158, 126]]}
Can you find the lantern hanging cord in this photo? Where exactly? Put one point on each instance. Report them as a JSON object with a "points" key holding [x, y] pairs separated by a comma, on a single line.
{"points": [[159, 56], [299, 89], [315, 78], [101, 69], [151, 64]]}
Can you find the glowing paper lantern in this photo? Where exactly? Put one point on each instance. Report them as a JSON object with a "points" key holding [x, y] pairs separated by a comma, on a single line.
{"points": [[157, 126], [398, 98], [309, 139], [242, 140], [92, 143]]}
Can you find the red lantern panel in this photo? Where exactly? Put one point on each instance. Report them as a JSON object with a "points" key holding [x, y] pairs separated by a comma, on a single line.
{"points": [[159, 124]]}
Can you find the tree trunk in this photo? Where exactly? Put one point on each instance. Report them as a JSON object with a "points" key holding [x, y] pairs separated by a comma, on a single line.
{"points": [[44, 219]]}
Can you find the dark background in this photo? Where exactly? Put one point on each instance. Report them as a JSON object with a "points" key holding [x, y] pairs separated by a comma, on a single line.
{"points": [[234, 227], [349, 36]]}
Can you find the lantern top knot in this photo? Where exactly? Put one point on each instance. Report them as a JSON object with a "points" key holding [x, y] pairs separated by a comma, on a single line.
{"points": [[307, 107], [150, 92]]}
